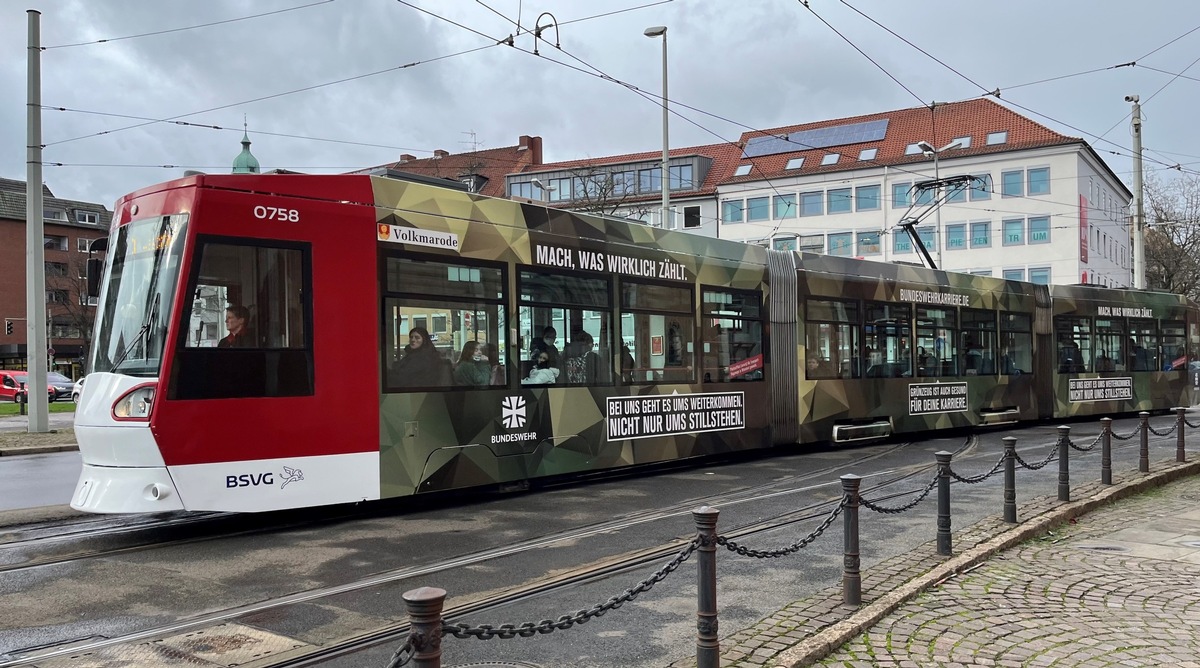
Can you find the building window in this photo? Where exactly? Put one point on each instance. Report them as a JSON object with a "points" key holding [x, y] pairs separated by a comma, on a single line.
{"points": [[650, 180], [925, 196], [57, 297], [514, 190], [1014, 274], [841, 244], [868, 153], [868, 243], [1014, 232], [54, 242], [56, 269], [957, 193], [1012, 184], [681, 177], [742, 170], [981, 272], [54, 214], [1039, 230], [963, 142], [831, 158], [994, 138], [691, 217], [900, 195], [732, 211], [1039, 275], [928, 236], [758, 208], [560, 190], [981, 234], [901, 242], [866, 198], [794, 163], [812, 243], [784, 243], [956, 236], [840, 200], [785, 206], [87, 217], [82, 245], [812, 204], [912, 149], [981, 187], [1039, 181]]}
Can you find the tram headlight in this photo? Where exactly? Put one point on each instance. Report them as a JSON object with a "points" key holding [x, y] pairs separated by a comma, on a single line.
{"points": [[135, 404]]}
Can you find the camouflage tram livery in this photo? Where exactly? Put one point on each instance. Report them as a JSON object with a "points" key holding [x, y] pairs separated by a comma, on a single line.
{"points": [[278, 341]]}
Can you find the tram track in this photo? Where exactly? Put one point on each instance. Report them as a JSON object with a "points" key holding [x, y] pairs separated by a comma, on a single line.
{"points": [[600, 568]]}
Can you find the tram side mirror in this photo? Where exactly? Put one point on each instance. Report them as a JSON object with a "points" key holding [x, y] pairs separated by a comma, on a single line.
{"points": [[95, 267]]}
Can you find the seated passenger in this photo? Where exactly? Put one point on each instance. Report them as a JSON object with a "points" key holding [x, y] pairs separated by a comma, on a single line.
{"points": [[818, 368], [542, 373], [473, 368], [421, 365], [581, 362]]}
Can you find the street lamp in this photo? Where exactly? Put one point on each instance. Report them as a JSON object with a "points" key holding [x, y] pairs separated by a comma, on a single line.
{"points": [[661, 31], [928, 149]]}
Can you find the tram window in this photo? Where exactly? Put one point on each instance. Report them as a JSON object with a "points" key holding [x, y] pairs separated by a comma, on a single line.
{"points": [[1143, 343], [1174, 346], [1074, 336], [887, 334], [732, 336], [1016, 350], [978, 343], [444, 326], [936, 332], [565, 323], [831, 339], [662, 327], [247, 326], [1110, 344]]}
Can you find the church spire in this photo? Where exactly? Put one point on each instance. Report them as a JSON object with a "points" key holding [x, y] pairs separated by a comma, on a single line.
{"points": [[245, 163]]}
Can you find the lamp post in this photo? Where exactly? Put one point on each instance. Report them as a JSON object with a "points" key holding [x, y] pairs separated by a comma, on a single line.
{"points": [[661, 31], [928, 149]]}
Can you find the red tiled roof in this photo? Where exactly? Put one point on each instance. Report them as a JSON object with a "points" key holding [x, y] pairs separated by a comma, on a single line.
{"points": [[724, 157], [493, 164], [946, 122]]}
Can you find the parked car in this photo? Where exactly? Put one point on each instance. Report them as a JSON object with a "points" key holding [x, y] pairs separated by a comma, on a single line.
{"points": [[61, 384], [10, 386], [78, 389]]}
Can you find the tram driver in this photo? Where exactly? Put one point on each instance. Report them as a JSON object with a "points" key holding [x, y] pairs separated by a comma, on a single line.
{"points": [[237, 320]]}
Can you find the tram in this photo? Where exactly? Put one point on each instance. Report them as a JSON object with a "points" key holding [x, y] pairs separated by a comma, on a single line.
{"points": [[276, 341]]}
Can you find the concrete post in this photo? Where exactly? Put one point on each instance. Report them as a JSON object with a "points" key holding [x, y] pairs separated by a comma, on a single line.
{"points": [[425, 618], [1010, 479], [851, 573], [1144, 450], [1064, 465], [1106, 451], [708, 647], [944, 547], [1180, 428]]}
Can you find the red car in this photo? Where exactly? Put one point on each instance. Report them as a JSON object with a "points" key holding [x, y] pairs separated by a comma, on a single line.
{"points": [[10, 386]]}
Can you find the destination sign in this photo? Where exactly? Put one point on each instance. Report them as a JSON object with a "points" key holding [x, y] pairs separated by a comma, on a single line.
{"points": [[411, 235], [925, 398], [646, 417], [615, 263], [1081, 390]]}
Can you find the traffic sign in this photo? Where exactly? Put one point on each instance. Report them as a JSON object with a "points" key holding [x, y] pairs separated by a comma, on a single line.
{"points": [[50, 352]]}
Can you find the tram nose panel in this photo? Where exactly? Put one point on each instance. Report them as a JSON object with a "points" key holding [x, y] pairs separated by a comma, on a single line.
{"points": [[107, 489]]}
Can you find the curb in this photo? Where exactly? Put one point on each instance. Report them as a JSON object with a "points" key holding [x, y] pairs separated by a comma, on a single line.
{"points": [[824, 642], [36, 450]]}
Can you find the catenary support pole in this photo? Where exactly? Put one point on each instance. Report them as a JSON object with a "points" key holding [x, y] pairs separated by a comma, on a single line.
{"points": [[944, 546], [36, 347], [1144, 447], [1106, 451], [1064, 464], [708, 646], [851, 562], [1010, 479], [425, 632]]}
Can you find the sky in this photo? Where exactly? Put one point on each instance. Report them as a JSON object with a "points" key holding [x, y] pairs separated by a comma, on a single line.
{"points": [[328, 86]]}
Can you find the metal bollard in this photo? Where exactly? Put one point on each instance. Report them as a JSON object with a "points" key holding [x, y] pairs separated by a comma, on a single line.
{"points": [[1010, 479], [1106, 451], [425, 632], [708, 647], [1064, 465], [943, 518], [1144, 450], [22, 398], [851, 572], [1180, 455]]}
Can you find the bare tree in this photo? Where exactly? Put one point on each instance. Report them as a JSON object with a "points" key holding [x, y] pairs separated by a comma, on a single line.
{"points": [[1173, 237], [69, 311], [608, 193]]}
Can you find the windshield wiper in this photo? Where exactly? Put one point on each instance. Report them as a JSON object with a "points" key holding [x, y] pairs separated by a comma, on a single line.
{"points": [[142, 334]]}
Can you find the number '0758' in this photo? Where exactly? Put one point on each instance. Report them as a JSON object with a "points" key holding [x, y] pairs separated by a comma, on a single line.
{"points": [[275, 213]]}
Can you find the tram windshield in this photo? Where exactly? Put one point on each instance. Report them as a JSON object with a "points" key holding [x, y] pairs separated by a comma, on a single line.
{"points": [[138, 294]]}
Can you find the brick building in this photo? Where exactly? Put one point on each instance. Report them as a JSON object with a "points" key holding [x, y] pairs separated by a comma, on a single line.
{"points": [[70, 226]]}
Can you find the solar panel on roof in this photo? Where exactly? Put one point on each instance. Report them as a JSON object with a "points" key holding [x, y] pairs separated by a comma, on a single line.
{"points": [[838, 135]]}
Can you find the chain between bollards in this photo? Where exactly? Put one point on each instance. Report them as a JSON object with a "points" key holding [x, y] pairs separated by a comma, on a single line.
{"points": [[1064, 466], [1010, 479], [851, 573], [1180, 454], [1144, 450], [944, 547], [708, 646], [1106, 452]]}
